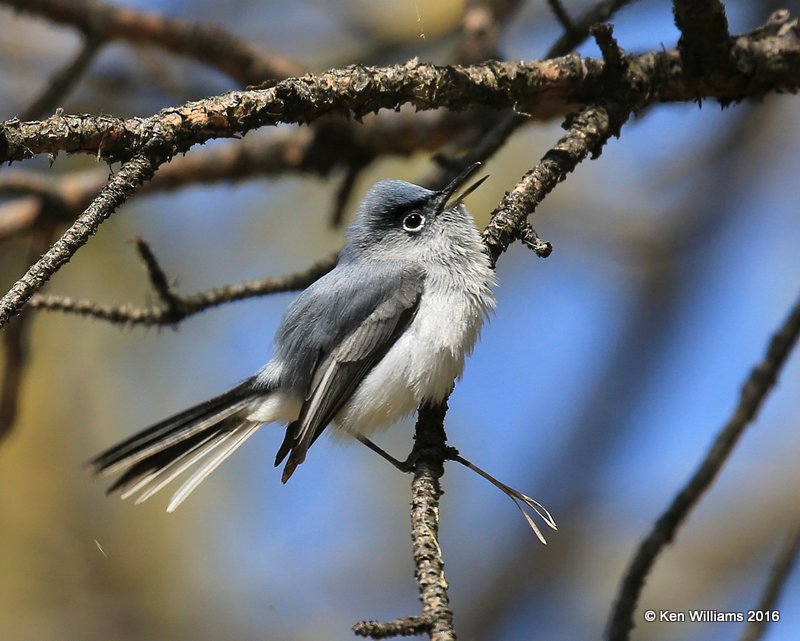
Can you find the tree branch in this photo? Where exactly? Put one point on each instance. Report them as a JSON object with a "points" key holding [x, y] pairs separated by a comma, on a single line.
{"points": [[120, 187], [176, 308], [755, 390], [208, 44], [596, 13], [764, 64], [429, 454], [587, 132]]}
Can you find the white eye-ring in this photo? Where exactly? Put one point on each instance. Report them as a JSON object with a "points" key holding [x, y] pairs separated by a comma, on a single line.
{"points": [[413, 223]]}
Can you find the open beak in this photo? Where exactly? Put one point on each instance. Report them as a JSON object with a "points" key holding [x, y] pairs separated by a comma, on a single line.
{"points": [[443, 199]]}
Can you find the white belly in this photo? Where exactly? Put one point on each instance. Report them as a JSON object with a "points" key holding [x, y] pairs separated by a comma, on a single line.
{"points": [[425, 361]]}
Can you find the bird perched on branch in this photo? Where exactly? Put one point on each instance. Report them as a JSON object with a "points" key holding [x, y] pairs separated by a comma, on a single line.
{"points": [[385, 331]]}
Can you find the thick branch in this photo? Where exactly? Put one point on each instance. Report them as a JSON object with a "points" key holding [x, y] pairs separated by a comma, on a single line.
{"points": [[755, 390], [131, 174], [554, 86], [315, 151], [209, 44]]}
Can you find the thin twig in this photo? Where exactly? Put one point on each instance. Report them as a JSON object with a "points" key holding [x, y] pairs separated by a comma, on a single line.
{"points": [[158, 278], [782, 568], [561, 14], [410, 626], [185, 306], [572, 38], [586, 133], [754, 391], [343, 193]]}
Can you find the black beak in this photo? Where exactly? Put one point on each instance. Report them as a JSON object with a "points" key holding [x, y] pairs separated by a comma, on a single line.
{"points": [[447, 193]]}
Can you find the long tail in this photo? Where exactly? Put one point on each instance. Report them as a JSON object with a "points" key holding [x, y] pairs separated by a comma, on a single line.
{"points": [[201, 437]]}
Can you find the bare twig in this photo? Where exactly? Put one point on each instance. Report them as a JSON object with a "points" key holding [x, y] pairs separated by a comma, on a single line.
{"points": [[63, 80], [561, 14], [587, 132], [410, 626], [209, 44], [599, 12], [158, 278], [787, 557], [753, 393], [343, 193], [183, 307], [120, 187], [527, 236]]}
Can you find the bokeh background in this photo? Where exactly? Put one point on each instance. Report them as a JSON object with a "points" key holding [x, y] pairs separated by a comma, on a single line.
{"points": [[596, 388]]}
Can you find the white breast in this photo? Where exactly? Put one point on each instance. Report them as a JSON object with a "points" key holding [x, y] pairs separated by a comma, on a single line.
{"points": [[429, 356]]}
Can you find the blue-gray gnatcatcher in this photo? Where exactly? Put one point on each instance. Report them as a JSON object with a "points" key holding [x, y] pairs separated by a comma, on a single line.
{"points": [[364, 346]]}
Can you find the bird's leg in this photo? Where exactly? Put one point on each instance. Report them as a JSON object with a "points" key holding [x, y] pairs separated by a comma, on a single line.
{"points": [[451, 454], [404, 466]]}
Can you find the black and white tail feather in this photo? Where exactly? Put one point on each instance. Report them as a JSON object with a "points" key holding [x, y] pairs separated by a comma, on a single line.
{"points": [[201, 437]]}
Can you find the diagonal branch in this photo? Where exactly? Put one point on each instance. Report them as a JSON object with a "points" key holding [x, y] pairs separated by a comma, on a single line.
{"points": [[586, 133], [580, 26], [209, 44], [755, 389], [137, 170]]}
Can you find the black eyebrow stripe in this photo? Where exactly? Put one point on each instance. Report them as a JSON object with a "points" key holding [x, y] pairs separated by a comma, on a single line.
{"points": [[404, 208]]}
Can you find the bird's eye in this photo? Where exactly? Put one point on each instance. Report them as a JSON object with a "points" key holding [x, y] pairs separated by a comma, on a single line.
{"points": [[413, 222]]}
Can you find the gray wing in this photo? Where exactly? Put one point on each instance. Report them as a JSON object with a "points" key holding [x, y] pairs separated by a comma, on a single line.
{"points": [[340, 369]]}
